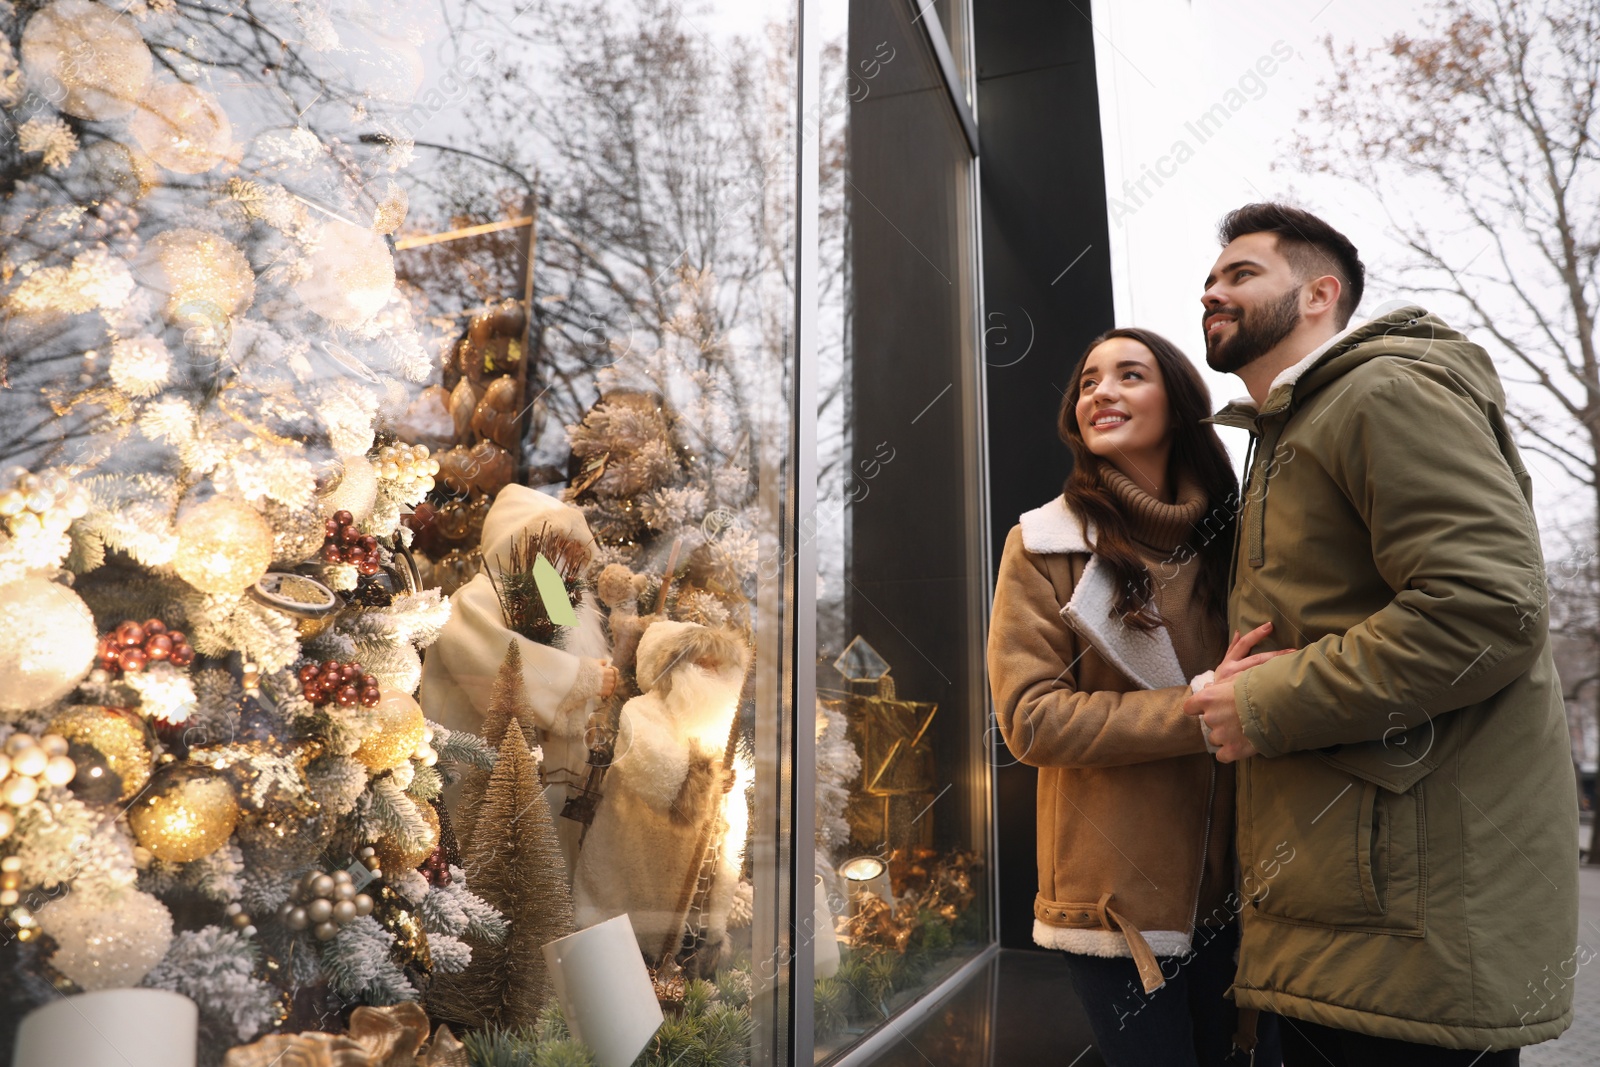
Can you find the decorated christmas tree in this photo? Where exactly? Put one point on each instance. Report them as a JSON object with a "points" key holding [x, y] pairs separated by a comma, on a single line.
{"points": [[507, 704], [215, 777], [515, 862]]}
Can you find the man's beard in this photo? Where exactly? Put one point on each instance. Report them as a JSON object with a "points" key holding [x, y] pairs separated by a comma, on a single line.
{"points": [[1255, 333]]}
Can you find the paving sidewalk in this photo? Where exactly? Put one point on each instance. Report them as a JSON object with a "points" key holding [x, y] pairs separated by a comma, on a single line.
{"points": [[1580, 1045]]}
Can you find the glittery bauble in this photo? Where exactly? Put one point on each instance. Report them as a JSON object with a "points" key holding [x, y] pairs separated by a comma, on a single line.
{"points": [[107, 943], [87, 59], [223, 547], [188, 812], [195, 268], [47, 643], [352, 274], [400, 729], [391, 857], [296, 532], [182, 127], [283, 836], [357, 491], [118, 737], [118, 168]]}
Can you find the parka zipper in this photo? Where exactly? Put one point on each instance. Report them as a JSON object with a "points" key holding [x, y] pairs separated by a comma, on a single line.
{"points": [[1244, 496]]}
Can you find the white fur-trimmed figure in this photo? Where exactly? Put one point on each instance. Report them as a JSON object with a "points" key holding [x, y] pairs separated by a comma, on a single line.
{"points": [[563, 685], [662, 808]]}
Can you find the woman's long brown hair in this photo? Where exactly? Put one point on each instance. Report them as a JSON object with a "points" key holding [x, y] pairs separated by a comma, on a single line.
{"points": [[1197, 452]]}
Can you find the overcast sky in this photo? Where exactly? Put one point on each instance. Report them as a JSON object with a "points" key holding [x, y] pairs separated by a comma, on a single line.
{"points": [[1161, 65]]}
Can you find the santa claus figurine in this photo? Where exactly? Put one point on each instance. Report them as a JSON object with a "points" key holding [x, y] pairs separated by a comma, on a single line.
{"points": [[563, 685], [652, 849]]}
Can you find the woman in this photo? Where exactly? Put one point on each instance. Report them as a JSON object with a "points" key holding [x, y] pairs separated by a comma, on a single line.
{"points": [[1109, 599]]}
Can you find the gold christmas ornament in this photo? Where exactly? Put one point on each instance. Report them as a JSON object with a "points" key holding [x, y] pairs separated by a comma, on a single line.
{"points": [[297, 533], [400, 729], [391, 857], [195, 268], [182, 127], [47, 643], [224, 546], [352, 274], [117, 744], [283, 832], [357, 491], [86, 58], [188, 812]]}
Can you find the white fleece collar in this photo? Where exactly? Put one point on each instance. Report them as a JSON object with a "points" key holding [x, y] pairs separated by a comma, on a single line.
{"points": [[1291, 374], [1295, 371], [1146, 657], [1052, 528]]}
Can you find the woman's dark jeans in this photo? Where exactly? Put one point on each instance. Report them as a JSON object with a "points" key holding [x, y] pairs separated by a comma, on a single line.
{"points": [[1186, 1023]]}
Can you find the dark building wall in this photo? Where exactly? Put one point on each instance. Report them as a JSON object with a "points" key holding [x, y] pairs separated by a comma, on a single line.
{"points": [[1047, 292]]}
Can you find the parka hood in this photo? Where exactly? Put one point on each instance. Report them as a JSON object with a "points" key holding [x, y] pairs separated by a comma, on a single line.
{"points": [[1405, 331]]}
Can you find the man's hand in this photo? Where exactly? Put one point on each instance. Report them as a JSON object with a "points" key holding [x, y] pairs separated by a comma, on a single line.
{"points": [[609, 676], [1214, 706], [1238, 658]]}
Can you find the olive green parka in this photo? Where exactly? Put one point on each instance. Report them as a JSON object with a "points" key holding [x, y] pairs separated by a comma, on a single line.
{"points": [[1407, 835]]}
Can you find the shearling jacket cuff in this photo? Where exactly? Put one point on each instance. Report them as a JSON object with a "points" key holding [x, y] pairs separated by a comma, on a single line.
{"points": [[1197, 683]]}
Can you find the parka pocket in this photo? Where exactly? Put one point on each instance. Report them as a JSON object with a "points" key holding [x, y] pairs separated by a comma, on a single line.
{"points": [[1358, 859]]}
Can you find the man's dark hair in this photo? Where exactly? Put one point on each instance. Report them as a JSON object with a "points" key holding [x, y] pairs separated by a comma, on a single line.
{"points": [[1312, 247]]}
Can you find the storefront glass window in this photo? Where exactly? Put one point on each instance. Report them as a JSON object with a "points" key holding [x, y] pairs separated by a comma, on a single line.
{"points": [[398, 530], [902, 795], [396, 407]]}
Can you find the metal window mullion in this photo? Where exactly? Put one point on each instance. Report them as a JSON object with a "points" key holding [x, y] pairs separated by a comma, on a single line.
{"points": [[985, 550], [928, 17], [803, 569]]}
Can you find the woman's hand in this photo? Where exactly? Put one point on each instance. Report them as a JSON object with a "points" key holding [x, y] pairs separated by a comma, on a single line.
{"points": [[1238, 658]]}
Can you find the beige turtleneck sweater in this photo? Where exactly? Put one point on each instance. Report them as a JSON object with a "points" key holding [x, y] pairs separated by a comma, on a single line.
{"points": [[1159, 530], [1199, 636]]}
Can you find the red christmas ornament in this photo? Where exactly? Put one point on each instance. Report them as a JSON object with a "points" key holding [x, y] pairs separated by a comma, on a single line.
{"points": [[345, 543], [343, 683], [132, 646]]}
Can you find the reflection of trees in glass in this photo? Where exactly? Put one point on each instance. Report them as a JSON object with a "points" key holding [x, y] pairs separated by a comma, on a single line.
{"points": [[295, 84], [834, 289], [653, 148]]}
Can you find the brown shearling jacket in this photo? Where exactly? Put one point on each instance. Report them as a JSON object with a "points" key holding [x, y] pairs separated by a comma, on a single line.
{"points": [[1130, 804]]}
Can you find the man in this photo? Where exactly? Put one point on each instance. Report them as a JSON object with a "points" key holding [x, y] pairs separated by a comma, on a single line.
{"points": [[1407, 815]]}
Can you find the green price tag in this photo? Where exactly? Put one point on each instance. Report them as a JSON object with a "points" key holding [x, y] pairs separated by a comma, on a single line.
{"points": [[553, 591]]}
